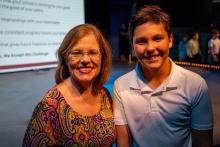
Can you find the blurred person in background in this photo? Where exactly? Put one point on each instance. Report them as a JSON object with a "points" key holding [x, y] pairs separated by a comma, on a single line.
{"points": [[214, 48], [123, 43], [193, 48], [182, 46]]}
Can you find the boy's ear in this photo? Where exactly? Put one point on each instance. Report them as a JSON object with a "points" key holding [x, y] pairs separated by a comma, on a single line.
{"points": [[171, 41]]}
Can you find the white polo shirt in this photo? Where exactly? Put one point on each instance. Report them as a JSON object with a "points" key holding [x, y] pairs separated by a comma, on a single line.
{"points": [[163, 116]]}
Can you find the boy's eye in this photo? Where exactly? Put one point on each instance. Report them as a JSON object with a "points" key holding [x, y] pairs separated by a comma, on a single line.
{"points": [[141, 41], [158, 38]]}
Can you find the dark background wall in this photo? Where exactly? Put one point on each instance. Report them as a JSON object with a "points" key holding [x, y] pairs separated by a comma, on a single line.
{"points": [[185, 15], [216, 14], [97, 12]]}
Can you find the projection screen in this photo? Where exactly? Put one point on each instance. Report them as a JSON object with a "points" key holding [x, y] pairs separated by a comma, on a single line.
{"points": [[32, 30]]}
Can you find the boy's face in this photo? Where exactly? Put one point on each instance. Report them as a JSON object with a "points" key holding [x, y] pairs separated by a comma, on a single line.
{"points": [[151, 44]]}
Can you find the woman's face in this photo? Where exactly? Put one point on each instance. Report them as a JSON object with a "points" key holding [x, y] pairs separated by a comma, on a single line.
{"points": [[84, 60], [151, 44]]}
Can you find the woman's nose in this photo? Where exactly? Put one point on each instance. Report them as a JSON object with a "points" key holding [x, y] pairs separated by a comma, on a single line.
{"points": [[85, 58]]}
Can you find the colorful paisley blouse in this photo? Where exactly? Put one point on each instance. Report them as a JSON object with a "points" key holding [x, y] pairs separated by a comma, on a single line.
{"points": [[55, 123]]}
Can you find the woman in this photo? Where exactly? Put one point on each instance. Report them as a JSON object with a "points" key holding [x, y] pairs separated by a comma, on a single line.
{"points": [[77, 111]]}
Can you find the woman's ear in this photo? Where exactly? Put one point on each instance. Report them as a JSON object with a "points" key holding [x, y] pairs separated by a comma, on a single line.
{"points": [[65, 59]]}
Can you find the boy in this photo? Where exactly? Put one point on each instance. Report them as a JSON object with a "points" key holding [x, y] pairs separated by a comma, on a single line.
{"points": [[160, 103]]}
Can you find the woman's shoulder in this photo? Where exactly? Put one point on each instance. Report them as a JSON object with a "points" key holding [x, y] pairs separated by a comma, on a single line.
{"points": [[104, 90], [52, 96], [49, 103], [106, 97]]}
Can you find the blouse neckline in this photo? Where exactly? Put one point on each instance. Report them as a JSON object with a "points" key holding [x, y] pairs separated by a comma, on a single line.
{"points": [[79, 114]]}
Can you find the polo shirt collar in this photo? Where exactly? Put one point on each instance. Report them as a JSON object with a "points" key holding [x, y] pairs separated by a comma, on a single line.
{"points": [[137, 79], [138, 82]]}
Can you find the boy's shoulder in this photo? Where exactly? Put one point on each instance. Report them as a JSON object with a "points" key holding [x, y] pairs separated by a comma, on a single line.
{"points": [[187, 74], [127, 76]]}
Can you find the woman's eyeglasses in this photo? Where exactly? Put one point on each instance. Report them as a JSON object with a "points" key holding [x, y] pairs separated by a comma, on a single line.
{"points": [[78, 54]]}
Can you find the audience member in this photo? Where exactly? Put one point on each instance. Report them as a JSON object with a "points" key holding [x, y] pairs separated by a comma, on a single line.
{"points": [[182, 48], [193, 48], [123, 43], [214, 47]]}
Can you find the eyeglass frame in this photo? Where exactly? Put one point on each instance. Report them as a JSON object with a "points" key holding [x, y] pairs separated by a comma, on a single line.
{"points": [[93, 54]]}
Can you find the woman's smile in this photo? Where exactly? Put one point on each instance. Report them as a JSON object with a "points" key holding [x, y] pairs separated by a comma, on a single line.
{"points": [[85, 70]]}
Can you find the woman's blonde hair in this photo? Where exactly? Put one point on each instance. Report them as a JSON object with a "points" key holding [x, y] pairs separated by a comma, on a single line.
{"points": [[75, 34]]}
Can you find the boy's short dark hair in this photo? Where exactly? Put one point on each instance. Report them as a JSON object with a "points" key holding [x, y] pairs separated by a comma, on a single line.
{"points": [[149, 13]]}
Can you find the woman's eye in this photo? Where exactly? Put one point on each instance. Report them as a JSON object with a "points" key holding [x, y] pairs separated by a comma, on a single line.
{"points": [[76, 53], [92, 53]]}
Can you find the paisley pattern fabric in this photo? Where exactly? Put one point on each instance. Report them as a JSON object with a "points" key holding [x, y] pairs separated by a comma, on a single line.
{"points": [[55, 123]]}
